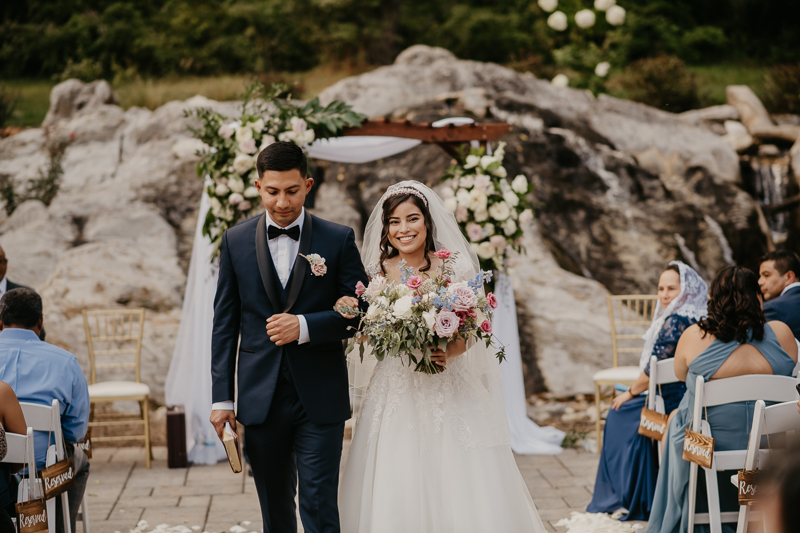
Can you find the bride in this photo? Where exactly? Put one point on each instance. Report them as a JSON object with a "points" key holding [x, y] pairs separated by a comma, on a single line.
{"points": [[430, 453]]}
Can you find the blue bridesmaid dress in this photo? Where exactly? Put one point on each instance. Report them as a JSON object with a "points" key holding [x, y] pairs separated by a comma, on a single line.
{"points": [[730, 427], [626, 475]]}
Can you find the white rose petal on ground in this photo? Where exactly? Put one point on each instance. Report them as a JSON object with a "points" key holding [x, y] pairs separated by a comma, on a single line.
{"points": [[560, 81], [548, 5], [558, 21], [585, 18], [602, 69], [616, 15]]}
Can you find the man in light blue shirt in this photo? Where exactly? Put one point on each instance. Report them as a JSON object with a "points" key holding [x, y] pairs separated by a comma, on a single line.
{"points": [[40, 373]]}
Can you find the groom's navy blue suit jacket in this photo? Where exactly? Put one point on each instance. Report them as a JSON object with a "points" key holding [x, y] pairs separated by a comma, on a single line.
{"points": [[249, 292]]}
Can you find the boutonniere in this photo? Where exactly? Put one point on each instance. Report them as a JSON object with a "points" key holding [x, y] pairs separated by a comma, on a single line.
{"points": [[317, 263]]}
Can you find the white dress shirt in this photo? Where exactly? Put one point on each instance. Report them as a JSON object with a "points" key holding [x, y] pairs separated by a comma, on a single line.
{"points": [[283, 250], [789, 286]]}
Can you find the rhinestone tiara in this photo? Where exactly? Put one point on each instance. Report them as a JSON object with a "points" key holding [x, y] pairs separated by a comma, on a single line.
{"points": [[407, 190]]}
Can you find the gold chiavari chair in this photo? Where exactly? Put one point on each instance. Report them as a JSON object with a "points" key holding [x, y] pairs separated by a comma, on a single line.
{"points": [[630, 316], [115, 335]]}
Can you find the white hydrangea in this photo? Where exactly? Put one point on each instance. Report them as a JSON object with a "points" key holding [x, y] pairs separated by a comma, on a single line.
{"points": [[548, 5], [499, 211], [235, 184], [557, 21], [585, 18], [520, 184], [243, 163], [616, 15], [250, 192], [602, 69], [560, 80], [603, 5]]}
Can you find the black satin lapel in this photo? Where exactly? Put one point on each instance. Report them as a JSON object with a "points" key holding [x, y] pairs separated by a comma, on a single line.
{"points": [[265, 262], [301, 266]]}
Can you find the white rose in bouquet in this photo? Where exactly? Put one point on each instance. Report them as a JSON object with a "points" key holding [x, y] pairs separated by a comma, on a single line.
{"points": [[236, 184], [478, 200], [472, 161], [482, 182], [603, 5], [467, 182], [251, 192], [243, 163], [520, 184], [244, 133], [235, 198], [511, 198], [402, 307], [463, 197], [485, 250], [560, 80], [499, 211], [557, 21], [548, 5], [376, 286], [616, 15], [221, 190], [430, 318], [258, 125], [585, 18], [376, 307], [602, 69], [481, 215], [509, 227], [248, 146], [225, 131], [451, 204], [299, 125], [446, 193], [526, 216]]}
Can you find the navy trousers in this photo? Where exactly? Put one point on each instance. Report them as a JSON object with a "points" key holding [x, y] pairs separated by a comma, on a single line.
{"points": [[287, 446]]}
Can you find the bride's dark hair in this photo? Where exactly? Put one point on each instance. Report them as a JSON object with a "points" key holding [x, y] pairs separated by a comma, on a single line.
{"points": [[389, 205], [734, 306]]}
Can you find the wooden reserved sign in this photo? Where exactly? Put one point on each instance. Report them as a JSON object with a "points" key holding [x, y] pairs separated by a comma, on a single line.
{"points": [[698, 449], [652, 424], [32, 516], [748, 486], [85, 444], [58, 478]]}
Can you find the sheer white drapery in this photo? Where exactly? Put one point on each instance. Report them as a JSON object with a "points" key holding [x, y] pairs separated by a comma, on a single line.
{"points": [[189, 378], [359, 148], [527, 438]]}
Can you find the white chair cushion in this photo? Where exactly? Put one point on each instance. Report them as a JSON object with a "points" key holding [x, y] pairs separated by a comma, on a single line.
{"points": [[620, 373], [115, 389]]}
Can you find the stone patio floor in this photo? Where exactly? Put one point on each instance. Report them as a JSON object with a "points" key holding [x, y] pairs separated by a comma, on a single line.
{"points": [[121, 491]]}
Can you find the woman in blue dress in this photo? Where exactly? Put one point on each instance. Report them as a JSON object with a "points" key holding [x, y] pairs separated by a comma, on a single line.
{"points": [[734, 340], [626, 475]]}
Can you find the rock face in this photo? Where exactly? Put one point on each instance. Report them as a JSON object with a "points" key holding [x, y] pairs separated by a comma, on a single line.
{"points": [[621, 189]]}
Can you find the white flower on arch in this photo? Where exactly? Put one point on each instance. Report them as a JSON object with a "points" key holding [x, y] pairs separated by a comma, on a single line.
{"points": [[548, 5], [585, 18], [603, 5], [616, 15], [560, 81], [557, 21]]}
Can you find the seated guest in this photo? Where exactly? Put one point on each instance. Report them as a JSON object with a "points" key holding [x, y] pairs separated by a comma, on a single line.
{"points": [[626, 476], [780, 491], [13, 421], [8, 285], [780, 286], [40, 373], [734, 340]]}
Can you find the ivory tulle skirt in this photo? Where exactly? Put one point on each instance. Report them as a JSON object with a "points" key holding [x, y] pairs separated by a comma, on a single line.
{"points": [[430, 454]]}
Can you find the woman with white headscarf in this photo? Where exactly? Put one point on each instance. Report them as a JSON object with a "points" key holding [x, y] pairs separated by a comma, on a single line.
{"points": [[626, 476]]}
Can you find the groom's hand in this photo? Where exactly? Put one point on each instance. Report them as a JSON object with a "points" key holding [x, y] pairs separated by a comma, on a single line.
{"points": [[218, 419], [283, 328]]}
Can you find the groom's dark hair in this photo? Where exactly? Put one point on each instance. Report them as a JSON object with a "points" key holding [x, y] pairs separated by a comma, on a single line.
{"points": [[281, 157]]}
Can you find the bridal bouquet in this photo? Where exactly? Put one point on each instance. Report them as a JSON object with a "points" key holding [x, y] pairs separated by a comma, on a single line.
{"points": [[490, 211], [228, 162], [411, 317]]}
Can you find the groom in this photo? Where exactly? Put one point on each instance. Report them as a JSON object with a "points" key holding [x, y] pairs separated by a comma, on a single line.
{"points": [[292, 375]]}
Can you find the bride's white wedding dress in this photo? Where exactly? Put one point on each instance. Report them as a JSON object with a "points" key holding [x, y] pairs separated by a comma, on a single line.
{"points": [[431, 453]]}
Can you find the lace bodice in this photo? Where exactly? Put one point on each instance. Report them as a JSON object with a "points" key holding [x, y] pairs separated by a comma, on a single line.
{"points": [[668, 337]]}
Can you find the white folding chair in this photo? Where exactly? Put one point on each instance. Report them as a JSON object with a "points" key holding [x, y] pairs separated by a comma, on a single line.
{"points": [[48, 418], [661, 373], [775, 419], [20, 450], [751, 387]]}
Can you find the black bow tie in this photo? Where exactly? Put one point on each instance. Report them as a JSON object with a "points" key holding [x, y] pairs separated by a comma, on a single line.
{"points": [[293, 233]]}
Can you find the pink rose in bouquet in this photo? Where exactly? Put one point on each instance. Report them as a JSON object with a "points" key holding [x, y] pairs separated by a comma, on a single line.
{"points": [[447, 323], [376, 286], [414, 282], [360, 288], [442, 254], [465, 298], [491, 299], [486, 326]]}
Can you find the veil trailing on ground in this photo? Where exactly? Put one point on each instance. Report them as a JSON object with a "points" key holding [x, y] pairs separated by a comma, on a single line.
{"points": [[692, 302], [479, 360]]}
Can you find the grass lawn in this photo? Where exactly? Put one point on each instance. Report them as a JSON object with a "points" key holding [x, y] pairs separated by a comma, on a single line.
{"points": [[712, 80], [34, 95]]}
